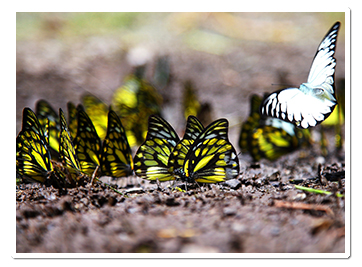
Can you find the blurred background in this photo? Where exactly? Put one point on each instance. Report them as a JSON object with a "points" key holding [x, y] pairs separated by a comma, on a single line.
{"points": [[224, 57]]}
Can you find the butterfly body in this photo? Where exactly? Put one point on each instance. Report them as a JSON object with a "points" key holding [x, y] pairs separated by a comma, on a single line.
{"points": [[313, 101]]}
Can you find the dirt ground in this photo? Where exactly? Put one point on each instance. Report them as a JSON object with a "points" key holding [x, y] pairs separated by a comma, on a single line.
{"points": [[261, 211]]}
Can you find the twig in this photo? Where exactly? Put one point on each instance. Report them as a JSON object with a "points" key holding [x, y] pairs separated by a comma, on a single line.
{"points": [[303, 206]]}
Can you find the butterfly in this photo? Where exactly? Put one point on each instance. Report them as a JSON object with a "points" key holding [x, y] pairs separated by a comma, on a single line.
{"points": [[177, 158], [72, 119], [134, 102], [313, 101], [87, 144], [49, 118], [267, 137], [192, 106], [33, 159], [151, 158], [97, 111], [116, 158], [211, 158], [67, 152]]}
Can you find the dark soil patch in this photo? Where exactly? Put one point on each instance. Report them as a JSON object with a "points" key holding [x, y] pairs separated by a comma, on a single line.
{"points": [[241, 215]]}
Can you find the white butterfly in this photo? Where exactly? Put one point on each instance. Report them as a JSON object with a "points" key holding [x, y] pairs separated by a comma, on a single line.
{"points": [[313, 101]]}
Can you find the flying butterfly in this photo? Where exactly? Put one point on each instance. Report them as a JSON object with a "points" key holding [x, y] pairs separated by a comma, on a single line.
{"points": [[313, 101], [33, 160], [87, 144], [211, 158], [151, 158], [267, 137], [116, 158]]}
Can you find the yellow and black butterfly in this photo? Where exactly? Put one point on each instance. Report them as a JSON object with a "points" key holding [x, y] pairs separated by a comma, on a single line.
{"points": [[116, 159], [151, 158], [134, 102], [192, 106], [72, 119], [67, 153], [266, 137], [193, 129], [49, 118], [33, 160], [87, 144], [211, 158], [97, 111]]}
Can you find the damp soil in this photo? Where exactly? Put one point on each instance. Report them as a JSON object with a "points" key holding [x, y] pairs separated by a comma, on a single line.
{"points": [[260, 211]]}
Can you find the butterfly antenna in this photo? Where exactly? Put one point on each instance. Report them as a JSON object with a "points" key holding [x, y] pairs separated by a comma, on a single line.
{"points": [[286, 85]]}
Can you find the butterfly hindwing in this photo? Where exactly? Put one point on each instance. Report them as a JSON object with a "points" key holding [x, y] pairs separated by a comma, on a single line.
{"points": [[313, 101], [151, 159], [116, 159]]}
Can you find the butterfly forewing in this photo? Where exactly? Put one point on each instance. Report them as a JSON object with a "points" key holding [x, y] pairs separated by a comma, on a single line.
{"points": [[151, 159], [67, 153], [97, 112], [313, 101], [49, 119], [323, 67], [87, 144], [116, 159], [72, 119]]}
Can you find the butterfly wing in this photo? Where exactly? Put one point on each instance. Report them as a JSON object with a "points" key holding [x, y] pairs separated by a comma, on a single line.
{"points": [[49, 118], [193, 129], [116, 159], [151, 159], [72, 119], [97, 112], [87, 144], [315, 100], [211, 158], [67, 153], [321, 74]]}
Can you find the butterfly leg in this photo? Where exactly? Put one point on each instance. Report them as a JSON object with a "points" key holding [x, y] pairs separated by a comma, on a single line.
{"points": [[94, 174]]}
